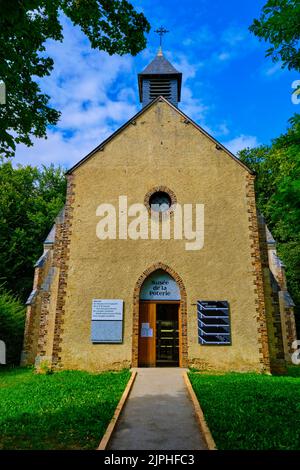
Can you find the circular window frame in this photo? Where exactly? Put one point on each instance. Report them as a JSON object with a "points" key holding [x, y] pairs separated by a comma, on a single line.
{"points": [[161, 189]]}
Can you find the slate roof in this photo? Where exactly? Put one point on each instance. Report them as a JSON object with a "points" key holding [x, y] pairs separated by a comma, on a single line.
{"points": [[31, 297], [288, 300], [42, 259], [160, 66], [270, 238], [51, 236], [50, 239]]}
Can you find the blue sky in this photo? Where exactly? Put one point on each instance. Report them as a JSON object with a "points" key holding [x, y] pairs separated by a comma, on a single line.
{"points": [[229, 87]]}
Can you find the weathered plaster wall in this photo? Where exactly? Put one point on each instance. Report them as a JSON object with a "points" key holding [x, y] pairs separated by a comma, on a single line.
{"points": [[161, 149], [33, 313]]}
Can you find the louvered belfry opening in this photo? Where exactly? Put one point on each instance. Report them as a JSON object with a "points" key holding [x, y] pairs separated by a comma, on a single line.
{"points": [[160, 78], [160, 87]]}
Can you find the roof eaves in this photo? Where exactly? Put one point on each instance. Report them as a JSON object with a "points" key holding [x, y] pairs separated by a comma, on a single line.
{"points": [[114, 134], [187, 118], [210, 137]]}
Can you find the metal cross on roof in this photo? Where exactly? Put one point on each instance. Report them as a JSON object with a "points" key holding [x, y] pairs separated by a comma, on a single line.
{"points": [[161, 31]]}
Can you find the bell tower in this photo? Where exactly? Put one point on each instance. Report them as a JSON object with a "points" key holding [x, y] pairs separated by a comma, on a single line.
{"points": [[160, 78]]}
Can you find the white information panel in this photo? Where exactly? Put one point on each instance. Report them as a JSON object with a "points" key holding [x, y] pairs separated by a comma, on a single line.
{"points": [[107, 309], [160, 286]]}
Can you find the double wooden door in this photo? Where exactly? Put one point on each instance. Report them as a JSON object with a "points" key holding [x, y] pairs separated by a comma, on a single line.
{"points": [[159, 334]]}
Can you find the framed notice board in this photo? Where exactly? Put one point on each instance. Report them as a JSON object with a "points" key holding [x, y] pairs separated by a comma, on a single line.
{"points": [[213, 322]]}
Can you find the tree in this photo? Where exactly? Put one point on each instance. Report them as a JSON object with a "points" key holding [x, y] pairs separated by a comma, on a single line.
{"points": [[279, 24], [111, 25], [30, 199], [12, 321], [278, 197]]}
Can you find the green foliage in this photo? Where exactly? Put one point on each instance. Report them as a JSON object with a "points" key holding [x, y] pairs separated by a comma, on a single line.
{"points": [[45, 368], [12, 320], [30, 199], [64, 410], [111, 25], [294, 371], [278, 196], [249, 411], [279, 24]]}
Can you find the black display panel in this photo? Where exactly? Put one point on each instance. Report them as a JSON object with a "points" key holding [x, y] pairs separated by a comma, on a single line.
{"points": [[213, 322]]}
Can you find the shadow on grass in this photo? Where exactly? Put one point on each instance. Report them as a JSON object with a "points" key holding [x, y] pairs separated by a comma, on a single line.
{"points": [[251, 411], [72, 427], [64, 410]]}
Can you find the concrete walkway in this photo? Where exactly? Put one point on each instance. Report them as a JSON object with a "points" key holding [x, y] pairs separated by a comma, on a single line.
{"points": [[158, 414]]}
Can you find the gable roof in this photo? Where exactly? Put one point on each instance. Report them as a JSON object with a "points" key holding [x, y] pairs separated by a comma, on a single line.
{"points": [[101, 146]]}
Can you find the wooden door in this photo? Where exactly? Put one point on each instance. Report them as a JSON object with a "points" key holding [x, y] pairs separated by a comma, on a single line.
{"points": [[147, 335]]}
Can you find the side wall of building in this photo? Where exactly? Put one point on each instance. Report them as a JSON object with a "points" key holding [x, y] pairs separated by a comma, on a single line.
{"points": [[284, 305]]}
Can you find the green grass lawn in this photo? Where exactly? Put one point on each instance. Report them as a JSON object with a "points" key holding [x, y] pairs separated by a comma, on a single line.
{"points": [[251, 411], [64, 410]]}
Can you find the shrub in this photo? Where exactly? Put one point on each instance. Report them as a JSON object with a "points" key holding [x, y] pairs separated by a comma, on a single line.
{"points": [[12, 320]]}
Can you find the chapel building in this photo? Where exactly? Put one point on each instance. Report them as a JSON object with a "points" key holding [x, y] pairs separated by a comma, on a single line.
{"points": [[192, 280]]}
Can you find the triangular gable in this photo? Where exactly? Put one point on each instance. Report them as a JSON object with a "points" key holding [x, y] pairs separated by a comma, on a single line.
{"points": [[131, 120]]}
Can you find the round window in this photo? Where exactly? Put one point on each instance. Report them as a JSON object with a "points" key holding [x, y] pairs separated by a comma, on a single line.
{"points": [[160, 201]]}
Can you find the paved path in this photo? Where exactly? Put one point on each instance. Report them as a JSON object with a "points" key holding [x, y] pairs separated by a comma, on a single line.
{"points": [[158, 414]]}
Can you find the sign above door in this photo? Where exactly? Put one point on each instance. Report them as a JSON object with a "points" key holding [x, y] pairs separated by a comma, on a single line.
{"points": [[160, 286]]}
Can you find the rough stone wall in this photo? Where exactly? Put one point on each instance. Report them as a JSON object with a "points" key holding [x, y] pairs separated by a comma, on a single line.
{"points": [[291, 330], [285, 328], [274, 330], [33, 313], [61, 260], [259, 264], [288, 326], [40, 320], [47, 317]]}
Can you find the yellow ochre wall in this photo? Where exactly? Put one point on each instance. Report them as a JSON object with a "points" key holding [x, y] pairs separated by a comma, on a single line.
{"points": [[160, 149]]}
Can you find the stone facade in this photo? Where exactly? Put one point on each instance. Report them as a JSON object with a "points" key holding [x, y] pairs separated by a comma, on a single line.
{"points": [[285, 326], [163, 149], [258, 276]]}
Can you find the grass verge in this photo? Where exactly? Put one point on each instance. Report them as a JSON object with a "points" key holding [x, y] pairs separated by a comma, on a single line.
{"points": [[64, 410], [251, 411]]}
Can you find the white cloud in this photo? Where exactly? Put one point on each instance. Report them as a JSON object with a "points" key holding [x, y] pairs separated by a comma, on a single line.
{"points": [[97, 93], [61, 150], [188, 42], [272, 70], [94, 94], [224, 56], [190, 104], [233, 35], [89, 88], [182, 63], [241, 142], [222, 129], [202, 36], [233, 42]]}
